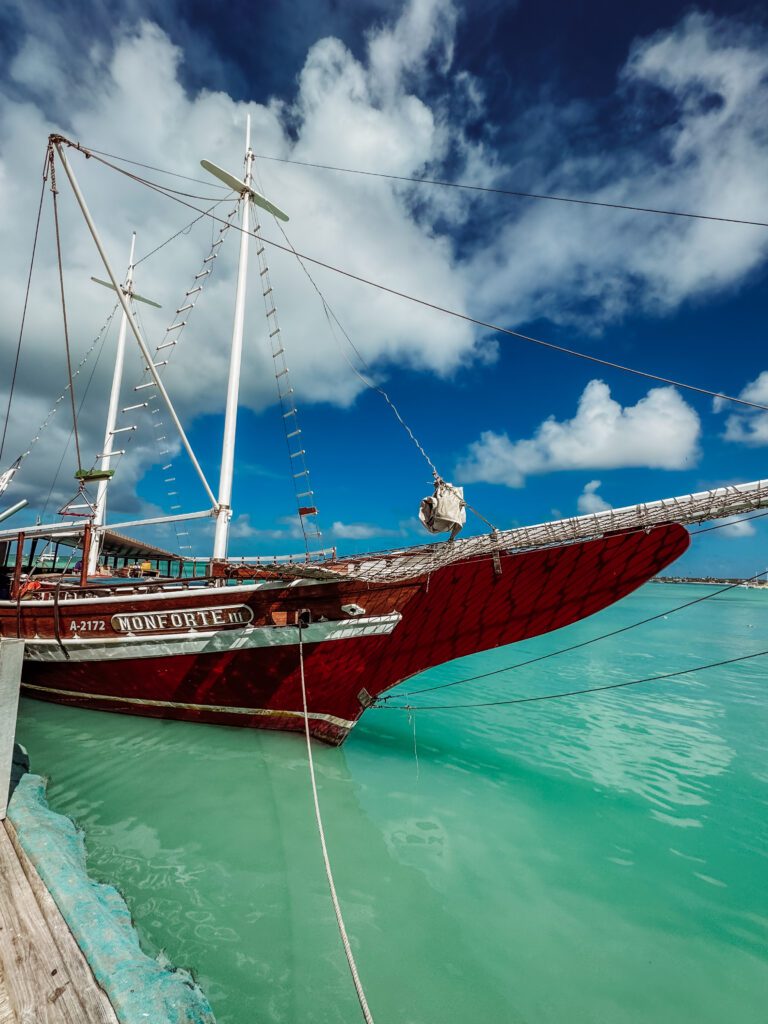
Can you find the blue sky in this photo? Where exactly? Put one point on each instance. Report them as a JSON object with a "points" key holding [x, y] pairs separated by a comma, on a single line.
{"points": [[652, 104]]}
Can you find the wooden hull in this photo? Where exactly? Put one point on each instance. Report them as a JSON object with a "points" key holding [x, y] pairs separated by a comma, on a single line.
{"points": [[230, 654]]}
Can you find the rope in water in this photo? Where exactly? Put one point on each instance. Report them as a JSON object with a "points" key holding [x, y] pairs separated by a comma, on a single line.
{"points": [[321, 831]]}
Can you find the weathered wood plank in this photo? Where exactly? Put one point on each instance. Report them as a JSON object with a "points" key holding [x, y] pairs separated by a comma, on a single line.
{"points": [[40, 989], [7, 1016], [98, 1009]]}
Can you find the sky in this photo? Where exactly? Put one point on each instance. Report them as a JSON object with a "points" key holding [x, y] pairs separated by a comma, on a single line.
{"points": [[654, 105]]}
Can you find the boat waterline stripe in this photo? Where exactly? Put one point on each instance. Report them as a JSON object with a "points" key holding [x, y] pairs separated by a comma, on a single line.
{"points": [[207, 642], [342, 723]]}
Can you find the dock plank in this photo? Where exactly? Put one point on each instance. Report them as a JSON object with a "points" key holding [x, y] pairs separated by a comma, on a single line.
{"points": [[7, 1016], [95, 1002], [40, 987]]}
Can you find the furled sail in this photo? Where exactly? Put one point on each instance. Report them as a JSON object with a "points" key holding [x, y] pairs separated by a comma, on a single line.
{"points": [[444, 510], [7, 476]]}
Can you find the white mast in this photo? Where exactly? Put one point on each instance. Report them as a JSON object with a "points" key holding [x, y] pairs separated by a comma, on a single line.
{"points": [[248, 195], [109, 433], [100, 504], [224, 510]]}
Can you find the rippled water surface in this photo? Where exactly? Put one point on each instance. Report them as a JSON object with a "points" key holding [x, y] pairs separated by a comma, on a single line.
{"points": [[601, 858]]}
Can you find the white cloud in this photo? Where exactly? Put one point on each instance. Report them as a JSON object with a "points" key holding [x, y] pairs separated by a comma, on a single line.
{"points": [[746, 426], [736, 527], [400, 105], [127, 98], [362, 531], [590, 500], [591, 267], [241, 528], [661, 431]]}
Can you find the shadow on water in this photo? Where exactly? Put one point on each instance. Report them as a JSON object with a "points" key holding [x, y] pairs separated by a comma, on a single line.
{"points": [[209, 834]]}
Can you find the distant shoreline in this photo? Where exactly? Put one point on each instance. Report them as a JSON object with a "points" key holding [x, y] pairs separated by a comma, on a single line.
{"points": [[713, 581]]}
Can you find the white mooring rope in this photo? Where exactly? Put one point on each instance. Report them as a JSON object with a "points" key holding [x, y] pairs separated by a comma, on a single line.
{"points": [[329, 874]]}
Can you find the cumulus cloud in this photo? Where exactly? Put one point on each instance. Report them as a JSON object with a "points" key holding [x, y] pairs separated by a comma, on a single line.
{"points": [[127, 98], [241, 528], [710, 76], [736, 527], [362, 531], [402, 102], [661, 431], [747, 426], [590, 500]]}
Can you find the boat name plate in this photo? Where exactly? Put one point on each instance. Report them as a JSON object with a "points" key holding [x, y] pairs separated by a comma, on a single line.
{"points": [[227, 617]]}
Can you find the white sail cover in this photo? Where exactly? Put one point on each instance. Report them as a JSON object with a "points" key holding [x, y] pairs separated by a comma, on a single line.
{"points": [[7, 476], [444, 510]]}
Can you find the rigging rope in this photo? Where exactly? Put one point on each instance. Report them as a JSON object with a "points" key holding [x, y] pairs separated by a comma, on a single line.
{"points": [[304, 493], [331, 317], [160, 170], [55, 193], [328, 872], [102, 335], [732, 522], [442, 309], [54, 408], [26, 301], [182, 231], [512, 192], [456, 184], [191, 297], [572, 693], [583, 643]]}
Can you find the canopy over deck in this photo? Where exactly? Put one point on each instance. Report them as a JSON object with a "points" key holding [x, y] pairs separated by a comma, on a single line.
{"points": [[114, 544], [127, 547]]}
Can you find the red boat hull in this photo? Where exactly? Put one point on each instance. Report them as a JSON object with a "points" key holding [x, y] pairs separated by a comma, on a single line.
{"points": [[249, 675]]}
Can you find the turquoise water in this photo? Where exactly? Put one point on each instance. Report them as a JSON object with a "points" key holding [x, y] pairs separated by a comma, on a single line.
{"points": [[596, 859]]}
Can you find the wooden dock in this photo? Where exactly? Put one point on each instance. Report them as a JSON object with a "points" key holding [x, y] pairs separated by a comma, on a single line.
{"points": [[44, 977]]}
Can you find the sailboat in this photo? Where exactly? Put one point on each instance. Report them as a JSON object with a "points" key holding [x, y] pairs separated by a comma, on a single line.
{"points": [[232, 647]]}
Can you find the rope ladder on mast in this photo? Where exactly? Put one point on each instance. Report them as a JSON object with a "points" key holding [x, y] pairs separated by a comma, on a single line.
{"points": [[305, 496]]}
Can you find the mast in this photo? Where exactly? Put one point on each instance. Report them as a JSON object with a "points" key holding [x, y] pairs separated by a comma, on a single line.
{"points": [[224, 507], [123, 299], [109, 433]]}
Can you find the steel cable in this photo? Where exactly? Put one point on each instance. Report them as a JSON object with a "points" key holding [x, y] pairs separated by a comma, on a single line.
{"points": [[497, 328]]}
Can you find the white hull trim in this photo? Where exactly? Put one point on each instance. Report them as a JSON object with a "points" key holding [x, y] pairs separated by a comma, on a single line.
{"points": [[169, 592], [342, 723], [166, 645]]}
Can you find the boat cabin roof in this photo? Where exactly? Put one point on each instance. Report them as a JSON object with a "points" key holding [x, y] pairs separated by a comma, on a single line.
{"points": [[117, 544]]}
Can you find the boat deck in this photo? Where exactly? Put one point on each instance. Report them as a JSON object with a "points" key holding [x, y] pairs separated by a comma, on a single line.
{"points": [[44, 976]]}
